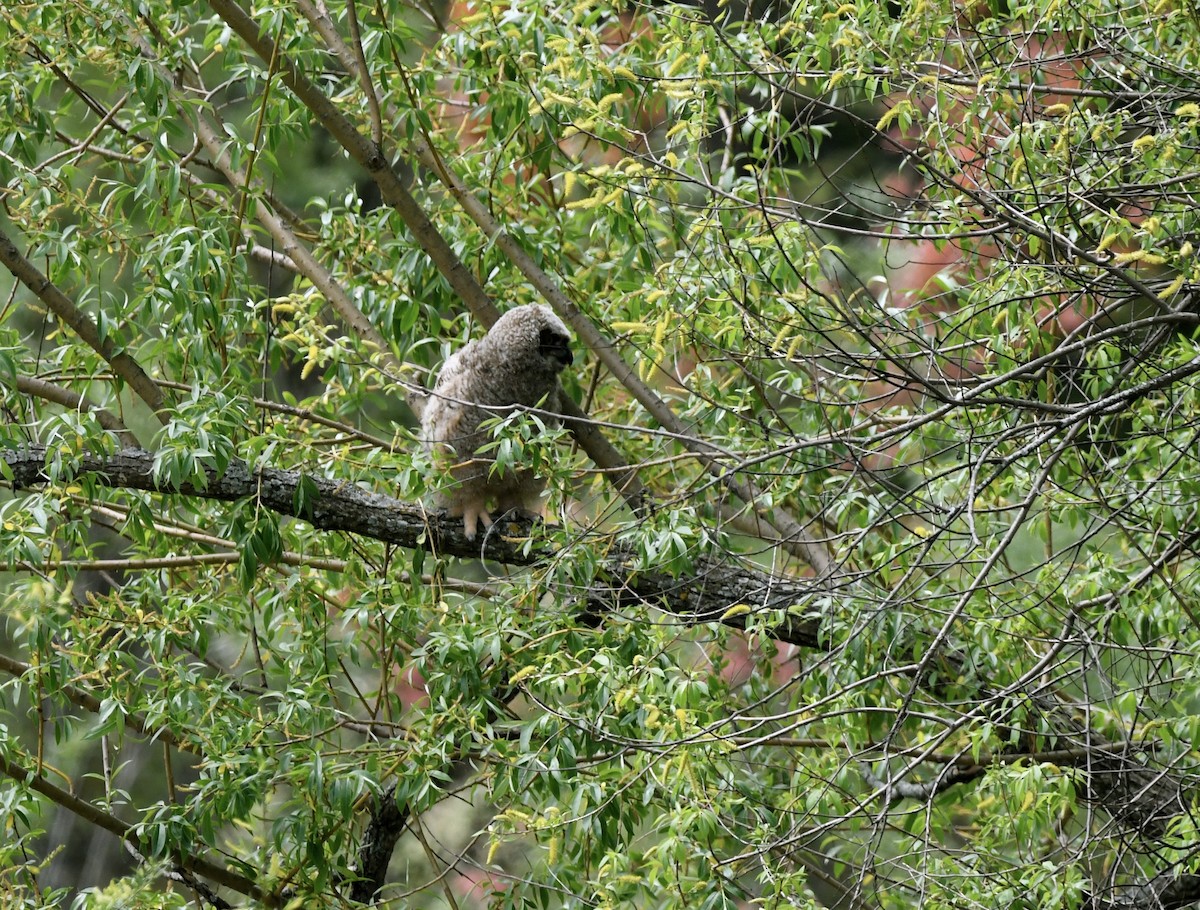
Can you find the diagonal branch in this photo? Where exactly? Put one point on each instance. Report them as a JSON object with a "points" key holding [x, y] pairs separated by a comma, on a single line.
{"points": [[188, 865], [89, 702], [370, 155], [82, 325], [50, 391]]}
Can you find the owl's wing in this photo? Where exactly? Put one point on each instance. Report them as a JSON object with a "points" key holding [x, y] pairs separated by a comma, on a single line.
{"points": [[452, 388], [451, 369]]}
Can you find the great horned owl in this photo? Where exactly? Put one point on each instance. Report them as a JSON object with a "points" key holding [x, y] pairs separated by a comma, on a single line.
{"points": [[516, 363]]}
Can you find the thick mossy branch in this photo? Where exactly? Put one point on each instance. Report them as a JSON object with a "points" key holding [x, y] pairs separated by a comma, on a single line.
{"points": [[716, 591]]}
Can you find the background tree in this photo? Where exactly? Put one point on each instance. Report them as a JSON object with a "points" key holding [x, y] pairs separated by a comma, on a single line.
{"points": [[870, 581]]}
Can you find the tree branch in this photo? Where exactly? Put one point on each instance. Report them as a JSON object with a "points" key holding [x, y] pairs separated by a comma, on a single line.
{"points": [[388, 819], [332, 505], [41, 388], [1167, 891], [85, 699], [82, 325], [129, 833]]}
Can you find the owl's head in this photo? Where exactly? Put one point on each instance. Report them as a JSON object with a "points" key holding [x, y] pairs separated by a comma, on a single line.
{"points": [[535, 331]]}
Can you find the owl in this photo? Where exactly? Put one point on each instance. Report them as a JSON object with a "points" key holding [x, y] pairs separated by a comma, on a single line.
{"points": [[516, 363]]}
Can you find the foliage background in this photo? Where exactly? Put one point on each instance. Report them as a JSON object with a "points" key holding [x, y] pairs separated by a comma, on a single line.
{"points": [[873, 583]]}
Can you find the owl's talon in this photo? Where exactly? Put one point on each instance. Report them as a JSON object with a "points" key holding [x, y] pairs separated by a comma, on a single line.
{"points": [[471, 519]]}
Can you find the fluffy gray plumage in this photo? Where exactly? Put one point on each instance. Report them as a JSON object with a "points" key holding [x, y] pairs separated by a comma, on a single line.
{"points": [[516, 363]]}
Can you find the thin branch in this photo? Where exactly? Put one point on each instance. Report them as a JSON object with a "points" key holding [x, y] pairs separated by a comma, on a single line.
{"points": [[268, 256], [364, 73], [1169, 890], [305, 414], [130, 833], [150, 564], [894, 789], [41, 388], [90, 702]]}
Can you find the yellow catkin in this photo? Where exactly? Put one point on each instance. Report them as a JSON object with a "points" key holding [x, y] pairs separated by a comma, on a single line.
{"points": [[1171, 289], [311, 363], [608, 101]]}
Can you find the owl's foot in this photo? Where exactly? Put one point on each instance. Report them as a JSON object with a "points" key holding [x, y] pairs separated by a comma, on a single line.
{"points": [[472, 515]]}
